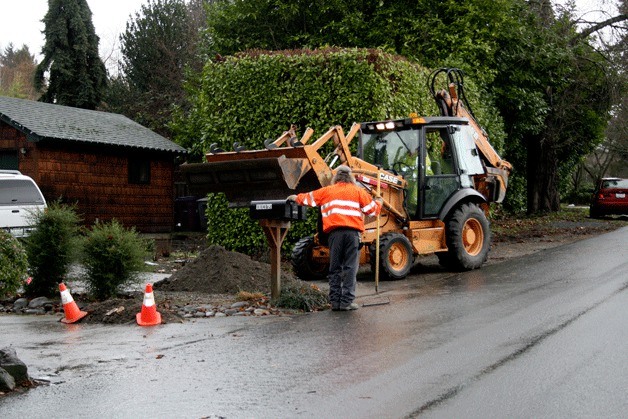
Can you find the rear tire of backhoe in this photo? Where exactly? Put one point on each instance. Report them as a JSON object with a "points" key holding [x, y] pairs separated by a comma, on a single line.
{"points": [[468, 238], [303, 265], [395, 256]]}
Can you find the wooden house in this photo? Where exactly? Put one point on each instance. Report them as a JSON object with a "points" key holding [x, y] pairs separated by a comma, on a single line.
{"points": [[108, 165]]}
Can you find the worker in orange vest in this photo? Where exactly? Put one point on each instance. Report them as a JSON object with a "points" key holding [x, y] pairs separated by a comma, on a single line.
{"points": [[342, 205]]}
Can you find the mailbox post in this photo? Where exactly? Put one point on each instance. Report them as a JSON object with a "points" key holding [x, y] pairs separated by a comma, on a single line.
{"points": [[274, 218], [275, 231]]}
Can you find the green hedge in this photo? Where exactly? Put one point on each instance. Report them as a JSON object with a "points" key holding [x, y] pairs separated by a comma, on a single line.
{"points": [[257, 95], [234, 229]]}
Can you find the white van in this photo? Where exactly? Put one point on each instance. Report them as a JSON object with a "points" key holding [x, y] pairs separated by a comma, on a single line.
{"points": [[20, 198]]}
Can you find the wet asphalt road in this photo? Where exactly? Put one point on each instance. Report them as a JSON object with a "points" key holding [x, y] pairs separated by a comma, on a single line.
{"points": [[541, 336]]}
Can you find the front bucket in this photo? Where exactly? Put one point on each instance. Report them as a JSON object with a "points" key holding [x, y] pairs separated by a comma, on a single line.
{"points": [[246, 177]]}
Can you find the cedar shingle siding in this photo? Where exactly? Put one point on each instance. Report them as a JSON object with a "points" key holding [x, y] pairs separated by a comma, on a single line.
{"points": [[83, 157]]}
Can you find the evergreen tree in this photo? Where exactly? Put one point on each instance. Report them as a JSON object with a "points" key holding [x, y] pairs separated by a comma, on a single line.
{"points": [[77, 76], [160, 43], [17, 67]]}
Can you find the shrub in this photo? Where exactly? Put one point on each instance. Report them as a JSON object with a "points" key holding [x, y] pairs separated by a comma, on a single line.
{"points": [[298, 295], [51, 247], [13, 264], [580, 196], [112, 256]]}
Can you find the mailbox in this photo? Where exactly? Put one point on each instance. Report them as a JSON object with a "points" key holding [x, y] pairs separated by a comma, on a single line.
{"points": [[277, 210]]}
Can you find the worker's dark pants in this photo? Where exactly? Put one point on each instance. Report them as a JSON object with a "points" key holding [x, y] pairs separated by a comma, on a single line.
{"points": [[344, 257]]}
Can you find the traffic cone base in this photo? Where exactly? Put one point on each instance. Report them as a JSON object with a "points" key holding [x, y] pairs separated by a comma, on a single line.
{"points": [[74, 317], [149, 316], [153, 319], [70, 308]]}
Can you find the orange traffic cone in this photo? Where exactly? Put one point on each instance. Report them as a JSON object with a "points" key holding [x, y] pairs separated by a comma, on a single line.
{"points": [[149, 316], [71, 310]]}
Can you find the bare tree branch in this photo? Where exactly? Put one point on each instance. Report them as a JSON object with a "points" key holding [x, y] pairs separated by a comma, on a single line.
{"points": [[598, 26]]}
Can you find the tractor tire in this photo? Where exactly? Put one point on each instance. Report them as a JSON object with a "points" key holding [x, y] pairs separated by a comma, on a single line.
{"points": [[304, 267], [395, 256], [468, 238]]}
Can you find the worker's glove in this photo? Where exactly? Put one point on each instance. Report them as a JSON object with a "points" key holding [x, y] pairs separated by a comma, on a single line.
{"points": [[291, 198], [379, 200]]}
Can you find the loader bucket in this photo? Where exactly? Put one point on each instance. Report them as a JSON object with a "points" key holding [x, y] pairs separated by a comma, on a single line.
{"points": [[252, 176]]}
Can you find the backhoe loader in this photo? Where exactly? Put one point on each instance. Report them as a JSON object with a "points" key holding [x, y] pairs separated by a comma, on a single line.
{"points": [[436, 175]]}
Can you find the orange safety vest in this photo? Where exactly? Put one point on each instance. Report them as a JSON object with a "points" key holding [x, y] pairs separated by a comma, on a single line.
{"points": [[342, 205]]}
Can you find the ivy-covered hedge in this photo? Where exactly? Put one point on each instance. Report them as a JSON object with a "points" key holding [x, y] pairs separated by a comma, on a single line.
{"points": [[257, 95], [234, 229]]}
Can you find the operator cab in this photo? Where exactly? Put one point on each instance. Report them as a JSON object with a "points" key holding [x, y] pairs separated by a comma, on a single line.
{"points": [[437, 156]]}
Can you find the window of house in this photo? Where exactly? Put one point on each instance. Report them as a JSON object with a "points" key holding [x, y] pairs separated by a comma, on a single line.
{"points": [[9, 160], [139, 171]]}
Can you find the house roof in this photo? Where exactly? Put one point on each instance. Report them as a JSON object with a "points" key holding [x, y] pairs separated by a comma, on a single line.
{"points": [[46, 121]]}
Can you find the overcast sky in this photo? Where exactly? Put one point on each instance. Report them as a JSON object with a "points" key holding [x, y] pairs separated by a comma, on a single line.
{"points": [[20, 21]]}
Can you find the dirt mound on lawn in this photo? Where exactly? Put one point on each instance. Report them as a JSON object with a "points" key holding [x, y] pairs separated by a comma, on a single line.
{"points": [[218, 271]]}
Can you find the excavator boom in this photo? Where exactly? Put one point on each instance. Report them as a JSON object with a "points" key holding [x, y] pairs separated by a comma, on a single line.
{"points": [[452, 102]]}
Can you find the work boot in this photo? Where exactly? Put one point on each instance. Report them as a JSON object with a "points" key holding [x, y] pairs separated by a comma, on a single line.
{"points": [[352, 306], [335, 306]]}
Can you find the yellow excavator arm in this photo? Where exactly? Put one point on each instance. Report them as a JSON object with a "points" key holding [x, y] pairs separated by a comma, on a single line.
{"points": [[450, 103]]}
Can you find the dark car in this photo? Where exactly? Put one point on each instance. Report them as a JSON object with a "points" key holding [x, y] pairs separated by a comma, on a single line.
{"points": [[610, 197]]}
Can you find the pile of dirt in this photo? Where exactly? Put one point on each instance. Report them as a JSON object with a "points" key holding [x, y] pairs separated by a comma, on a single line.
{"points": [[218, 271]]}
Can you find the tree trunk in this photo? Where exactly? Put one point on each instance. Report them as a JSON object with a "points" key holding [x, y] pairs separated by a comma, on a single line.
{"points": [[542, 176]]}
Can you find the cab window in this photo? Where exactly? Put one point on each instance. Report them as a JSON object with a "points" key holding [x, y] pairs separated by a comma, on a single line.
{"points": [[396, 151], [19, 192], [441, 179], [391, 150], [439, 158]]}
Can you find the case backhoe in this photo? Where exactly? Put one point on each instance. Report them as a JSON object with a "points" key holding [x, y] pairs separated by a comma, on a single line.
{"points": [[436, 176]]}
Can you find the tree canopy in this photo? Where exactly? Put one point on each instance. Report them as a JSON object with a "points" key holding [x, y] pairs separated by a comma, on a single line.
{"points": [[158, 46], [610, 157], [77, 76], [431, 31]]}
